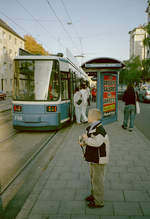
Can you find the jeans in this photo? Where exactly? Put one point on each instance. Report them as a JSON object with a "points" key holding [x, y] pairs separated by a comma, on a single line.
{"points": [[129, 112]]}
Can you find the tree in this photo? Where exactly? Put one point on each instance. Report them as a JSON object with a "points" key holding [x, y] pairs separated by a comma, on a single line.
{"points": [[32, 46], [132, 72], [146, 41], [145, 70]]}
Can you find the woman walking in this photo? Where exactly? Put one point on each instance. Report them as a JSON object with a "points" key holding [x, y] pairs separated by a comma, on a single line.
{"points": [[129, 98]]}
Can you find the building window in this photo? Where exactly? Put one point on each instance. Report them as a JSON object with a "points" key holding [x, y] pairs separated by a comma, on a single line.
{"points": [[9, 37], [4, 35], [4, 50], [15, 41]]}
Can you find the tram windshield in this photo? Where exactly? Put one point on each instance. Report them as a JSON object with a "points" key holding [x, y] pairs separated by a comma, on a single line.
{"points": [[36, 80]]}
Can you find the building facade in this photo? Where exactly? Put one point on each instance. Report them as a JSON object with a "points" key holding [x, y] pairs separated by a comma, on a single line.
{"points": [[137, 48], [10, 42]]}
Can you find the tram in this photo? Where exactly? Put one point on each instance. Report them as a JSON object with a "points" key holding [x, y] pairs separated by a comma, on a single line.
{"points": [[43, 89]]}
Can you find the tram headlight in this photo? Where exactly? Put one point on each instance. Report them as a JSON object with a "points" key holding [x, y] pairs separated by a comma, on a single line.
{"points": [[51, 108], [17, 108]]}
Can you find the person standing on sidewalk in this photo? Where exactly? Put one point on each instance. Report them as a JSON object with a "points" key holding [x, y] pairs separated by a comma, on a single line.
{"points": [[84, 103], [97, 153], [129, 98], [77, 104]]}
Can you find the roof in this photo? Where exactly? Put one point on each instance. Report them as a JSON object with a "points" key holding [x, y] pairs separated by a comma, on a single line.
{"points": [[8, 28], [92, 66]]}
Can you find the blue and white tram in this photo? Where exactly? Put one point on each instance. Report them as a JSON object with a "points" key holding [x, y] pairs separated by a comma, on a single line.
{"points": [[43, 91]]}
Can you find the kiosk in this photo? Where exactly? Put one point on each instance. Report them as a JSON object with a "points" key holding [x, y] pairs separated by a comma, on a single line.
{"points": [[105, 70]]}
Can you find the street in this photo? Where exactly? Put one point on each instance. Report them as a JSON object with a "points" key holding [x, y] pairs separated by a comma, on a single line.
{"points": [[142, 121]]}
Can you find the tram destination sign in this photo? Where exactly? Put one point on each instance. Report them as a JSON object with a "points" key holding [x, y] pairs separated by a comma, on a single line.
{"points": [[103, 65]]}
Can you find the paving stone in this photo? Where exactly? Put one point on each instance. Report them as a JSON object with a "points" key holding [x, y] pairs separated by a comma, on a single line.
{"points": [[59, 217], [140, 217], [58, 195], [127, 209], [81, 194], [84, 217], [72, 207], [38, 216], [45, 207], [23, 214], [136, 196], [129, 178], [58, 184], [78, 184], [121, 186], [111, 195], [106, 210], [115, 217], [146, 208]]}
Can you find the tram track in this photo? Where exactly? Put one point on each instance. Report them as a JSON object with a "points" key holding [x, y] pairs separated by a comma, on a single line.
{"points": [[24, 163], [15, 192], [27, 163], [11, 134]]}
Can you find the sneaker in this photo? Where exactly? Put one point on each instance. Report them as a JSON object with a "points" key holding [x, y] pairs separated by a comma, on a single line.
{"points": [[93, 205], [85, 122], [130, 129]]}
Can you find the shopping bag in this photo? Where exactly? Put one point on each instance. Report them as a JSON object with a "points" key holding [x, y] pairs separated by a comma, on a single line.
{"points": [[137, 107]]}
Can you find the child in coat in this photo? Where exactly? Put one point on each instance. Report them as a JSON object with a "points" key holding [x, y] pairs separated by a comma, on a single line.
{"points": [[96, 143]]}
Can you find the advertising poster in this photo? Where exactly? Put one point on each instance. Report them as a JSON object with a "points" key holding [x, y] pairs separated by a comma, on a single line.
{"points": [[109, 95]]}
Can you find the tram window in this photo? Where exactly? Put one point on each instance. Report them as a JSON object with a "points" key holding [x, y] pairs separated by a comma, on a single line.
{"points": [[53, 90], [36, 80], [65, 85]]}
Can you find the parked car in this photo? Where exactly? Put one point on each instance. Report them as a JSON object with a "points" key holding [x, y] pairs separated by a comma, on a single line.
{"points": [[144, 94], [2, 95]]}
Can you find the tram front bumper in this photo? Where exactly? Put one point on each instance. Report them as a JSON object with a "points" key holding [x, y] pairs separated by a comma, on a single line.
{"points": [[29, 122]]}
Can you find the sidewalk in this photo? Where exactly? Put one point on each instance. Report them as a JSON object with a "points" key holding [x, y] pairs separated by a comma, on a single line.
{"points": [[61, 190]]}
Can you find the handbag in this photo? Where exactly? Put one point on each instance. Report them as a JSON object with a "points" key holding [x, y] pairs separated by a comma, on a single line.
{"points": [[79, 101], [137, 107]]}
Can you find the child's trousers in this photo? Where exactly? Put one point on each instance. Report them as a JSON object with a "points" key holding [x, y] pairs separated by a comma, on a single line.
{"points": [[97, 182]]}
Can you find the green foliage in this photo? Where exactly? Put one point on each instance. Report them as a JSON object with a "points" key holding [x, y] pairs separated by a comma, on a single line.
{"points": [[132, 72], [146, 41], [145, 70]]}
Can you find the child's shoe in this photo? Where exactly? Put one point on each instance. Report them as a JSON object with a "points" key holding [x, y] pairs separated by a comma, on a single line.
{"points": [[89, 198], [93, 205]]}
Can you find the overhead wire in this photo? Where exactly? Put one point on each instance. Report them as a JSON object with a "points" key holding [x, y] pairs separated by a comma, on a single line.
{"points": [[12, 21], [34, 18], [71, 23], [60, 22], [37, 21]]}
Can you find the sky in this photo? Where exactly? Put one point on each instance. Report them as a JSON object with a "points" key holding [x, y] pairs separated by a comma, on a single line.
{"points": [[88, 28]]}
